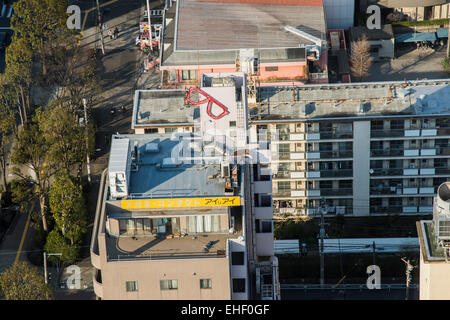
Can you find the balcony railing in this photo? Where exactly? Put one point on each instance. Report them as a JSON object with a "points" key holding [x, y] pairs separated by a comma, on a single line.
{"points": [[282, 175], [386, 153], [380, 133], [336, 192], [336, 154], [410, 171], [336, 134]]}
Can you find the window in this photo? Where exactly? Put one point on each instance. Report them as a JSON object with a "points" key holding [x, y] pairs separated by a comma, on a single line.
{"points": [[131, 286], [188, 75], [284, 186], [172, 75], [238, 285], [152, 130], [205, 283], [232, 123], [271, 68], [168, 284], [266, 226], [170, 130], [237, 258]]}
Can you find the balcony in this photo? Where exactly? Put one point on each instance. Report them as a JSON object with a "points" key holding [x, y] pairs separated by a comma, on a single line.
{"points": [[297, 193], [336, 192], [443, 151], [429, 132], [297, 156], [336, 173], [412, 133], [313, 136], [426, 190], [313, 174], [313, 192], [313, 155], [427, 171], [385, 209], [285, 193], [411, 152], [380, 133], [297, 174], [409, 209], [445, 171], [336, 134], [387, 172], [428, 152], [281, 175], [410, 172], [296, 137], [410, 190], [336, 154], [387, 153], [426, 209], [284, 155]]}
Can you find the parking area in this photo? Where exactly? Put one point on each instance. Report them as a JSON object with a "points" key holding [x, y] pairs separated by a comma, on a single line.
{"points": [[409, 64]]}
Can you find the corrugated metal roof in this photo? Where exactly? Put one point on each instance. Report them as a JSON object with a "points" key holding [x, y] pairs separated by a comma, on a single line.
{"points": [[213, 26], [118, 157]]}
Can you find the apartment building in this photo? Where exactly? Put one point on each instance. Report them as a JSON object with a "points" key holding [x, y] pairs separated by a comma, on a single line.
{"points": [[355, 149], [187, 215], [434, 237], [273, 41]]}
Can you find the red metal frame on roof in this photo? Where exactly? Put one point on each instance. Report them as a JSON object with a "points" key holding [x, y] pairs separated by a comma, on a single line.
{"points": [[210, 101]]}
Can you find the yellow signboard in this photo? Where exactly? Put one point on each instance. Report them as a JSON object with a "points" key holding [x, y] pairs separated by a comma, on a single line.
{"points": [[181, 203]]}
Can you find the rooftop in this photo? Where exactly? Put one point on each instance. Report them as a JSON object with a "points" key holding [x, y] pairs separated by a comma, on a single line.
{"points": [[223, 26], [427, 239], [413, 98], [158, 175], [152, 246]]}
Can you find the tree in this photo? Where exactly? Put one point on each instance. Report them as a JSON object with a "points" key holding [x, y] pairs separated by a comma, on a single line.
{"points": [[56, 243], [41, 24], [18, 73], [68, 207], [30, 152], [360, 59], [64, 137], [7, 126], [23, 282]]}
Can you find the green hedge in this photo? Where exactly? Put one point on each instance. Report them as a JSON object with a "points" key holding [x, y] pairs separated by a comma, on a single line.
{"points": [[420, 23]]}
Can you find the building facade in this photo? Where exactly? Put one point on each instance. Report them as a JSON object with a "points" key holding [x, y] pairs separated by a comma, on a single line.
{"points": [[434, 237], [273, 41], [187, 215], [358, 149]]}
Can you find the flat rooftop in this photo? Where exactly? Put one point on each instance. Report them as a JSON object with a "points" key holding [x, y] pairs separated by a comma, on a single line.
{"points": [[309, 102], [182, 180], [429, 249], [223, 26], [151, 246], [162, 106]]}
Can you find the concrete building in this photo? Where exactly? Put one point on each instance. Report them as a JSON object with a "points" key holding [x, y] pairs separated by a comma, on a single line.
{"points": [[382, 41], [434, 239], [340, 14], [273, 41], [363, 148], [422, 9], [188, 215]]}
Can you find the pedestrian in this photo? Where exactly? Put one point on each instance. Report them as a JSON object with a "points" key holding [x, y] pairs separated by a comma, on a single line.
{"points": [[116, 32], [110, 34]]}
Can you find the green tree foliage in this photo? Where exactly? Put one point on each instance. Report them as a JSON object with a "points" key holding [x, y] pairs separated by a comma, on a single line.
{"points": [[23, 282], [30, 154], [64, 137], [22, 194], [68, 207], [446, 64], [41, 24], [7, 127], [56, 243]]}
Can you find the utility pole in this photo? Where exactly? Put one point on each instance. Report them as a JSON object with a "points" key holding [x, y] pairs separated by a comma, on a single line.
{"points": [[45, 263], [373, 253], [87, 140], [322, 235], [149, 25], [409, 268], [99, 22]]}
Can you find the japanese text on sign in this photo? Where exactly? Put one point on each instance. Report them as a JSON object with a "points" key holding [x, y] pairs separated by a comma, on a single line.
{"points": [[181, 202]]}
